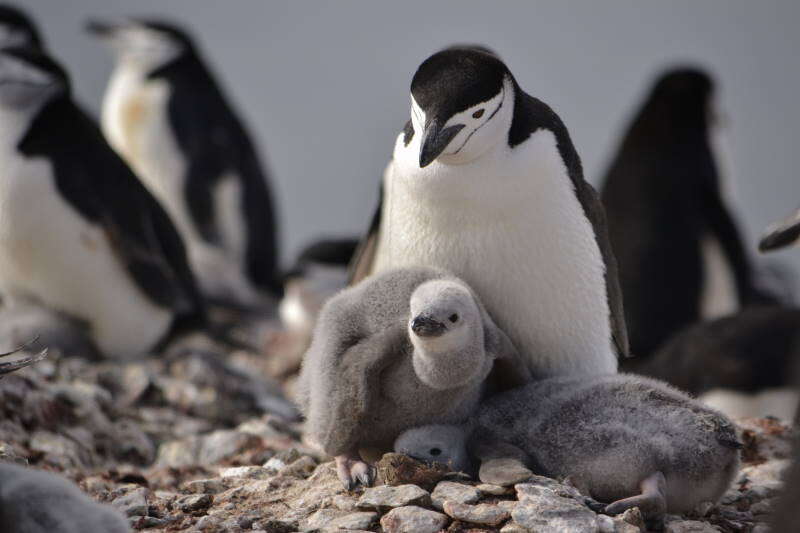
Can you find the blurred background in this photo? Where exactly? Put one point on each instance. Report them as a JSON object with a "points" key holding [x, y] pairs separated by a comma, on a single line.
{"points": [[323, 86]]}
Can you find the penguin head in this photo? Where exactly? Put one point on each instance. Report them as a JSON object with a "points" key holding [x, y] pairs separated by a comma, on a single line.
{"points": [[684, 96], [17, 28], [29, 79], [446, 330], [148, 44], [461, 104], [441, 444]]}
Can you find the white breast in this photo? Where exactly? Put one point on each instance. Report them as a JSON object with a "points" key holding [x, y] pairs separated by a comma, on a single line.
{"points": [[48, 252], [511, 225], [136, 122]]}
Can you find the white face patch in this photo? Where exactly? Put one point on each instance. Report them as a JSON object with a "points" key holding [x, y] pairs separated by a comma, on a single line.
{"points": [[145, 46]]}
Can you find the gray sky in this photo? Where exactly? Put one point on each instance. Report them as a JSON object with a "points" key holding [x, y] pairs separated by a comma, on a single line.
{"points": [[324, 85]]}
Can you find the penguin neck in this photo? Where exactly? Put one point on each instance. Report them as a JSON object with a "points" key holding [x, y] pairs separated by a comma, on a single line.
{"points": [[17, 123], [446, 364]]}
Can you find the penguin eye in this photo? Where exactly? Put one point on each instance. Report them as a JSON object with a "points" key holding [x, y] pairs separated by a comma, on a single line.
{"points": [[435, 451], [478, 113], [454, 318]]}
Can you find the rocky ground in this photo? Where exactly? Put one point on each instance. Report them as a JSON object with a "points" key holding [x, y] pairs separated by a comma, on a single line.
{"points": [[197, 442]]}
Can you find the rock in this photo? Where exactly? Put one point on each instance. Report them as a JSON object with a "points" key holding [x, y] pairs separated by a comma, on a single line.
{"points": [[413, 519], [248, 472], [399, 469], [178, 453], [453, 492], [344, 502], [301, 468], [513, 527], [223, 444], [689, 526], [494, 490], [208, 523], [194, 502], [146, 522], [762, 507], [282, 460], [503, 472], [207, 486], [542, 510], [132, 503], [363, 520], [319, 519], [605, 524], [484, 514], [386, 497], [632, 517]]}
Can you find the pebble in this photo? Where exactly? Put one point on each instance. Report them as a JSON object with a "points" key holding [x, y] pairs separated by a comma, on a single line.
{"points": [[689, 526], [484, 514], [249, 472], [206, 486], [208, 523], [453, 492], [301, 468], [493, 490], [544, 511], [194, 502], [282, 460], [224, 443], [133, 503], [413, 519], [384, 496], [504, 472], [362, 520]]}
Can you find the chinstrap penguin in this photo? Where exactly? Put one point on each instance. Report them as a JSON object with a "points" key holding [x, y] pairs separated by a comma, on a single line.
{"points": [[485, 183], [405, 348], [80, 234], [34, 501], [18, 29], [668, 219], [781, 234], [165, 113], [623, 440]]}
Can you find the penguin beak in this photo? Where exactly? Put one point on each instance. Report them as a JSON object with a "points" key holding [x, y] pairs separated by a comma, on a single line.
{"points": [[101, 28], [425, 326], [434, 140]]}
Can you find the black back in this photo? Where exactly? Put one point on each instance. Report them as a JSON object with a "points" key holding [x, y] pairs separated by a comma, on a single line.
{"points": [[214, 142], [661, 195], [13, 16], [96, 182]]}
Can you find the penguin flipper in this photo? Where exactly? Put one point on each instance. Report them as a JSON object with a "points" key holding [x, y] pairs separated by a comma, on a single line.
{"points": [[782, 234], [364, 256]]}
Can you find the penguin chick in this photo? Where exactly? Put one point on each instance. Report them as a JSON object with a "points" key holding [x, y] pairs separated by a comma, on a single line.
{"points": [[17, 28], [33, 501], [623, 439], [166, 114], [485, 183], [437, 443], [405, 348], [781, 234], [80, 233]]}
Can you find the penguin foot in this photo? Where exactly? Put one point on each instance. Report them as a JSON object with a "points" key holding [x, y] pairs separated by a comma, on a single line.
{"points": [[652, 502], [352, 471]]}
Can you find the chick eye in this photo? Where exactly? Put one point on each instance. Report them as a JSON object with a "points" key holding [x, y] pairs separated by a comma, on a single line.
{"points": [[478, 113], [454, 318], [435, 451]]}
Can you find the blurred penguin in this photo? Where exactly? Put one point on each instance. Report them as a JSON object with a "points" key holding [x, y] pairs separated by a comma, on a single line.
{"points": [[164, 112], [667, 217], [319, 272], [18, 29]]}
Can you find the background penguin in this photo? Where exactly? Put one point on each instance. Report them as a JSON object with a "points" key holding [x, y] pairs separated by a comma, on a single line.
{"points": [[485, 183], [17, 28], [623, 440], [781, 234], [405, 348], [319, 272], [746, 364], [667, 218], [80, 233], [164, 112], [33, 501]]}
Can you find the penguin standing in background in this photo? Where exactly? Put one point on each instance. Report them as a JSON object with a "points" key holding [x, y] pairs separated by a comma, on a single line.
{"points": [[485, 183], [164, 112], [667, 218], [78, 232], [18, 29]]}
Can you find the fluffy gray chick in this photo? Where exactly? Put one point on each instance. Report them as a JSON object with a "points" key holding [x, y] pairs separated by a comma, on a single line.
{"points": [[402, 349], [32, 501], [624, 439]]}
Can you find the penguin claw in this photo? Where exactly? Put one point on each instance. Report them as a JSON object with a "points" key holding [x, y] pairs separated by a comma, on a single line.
{"points": [[353, 472]]}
